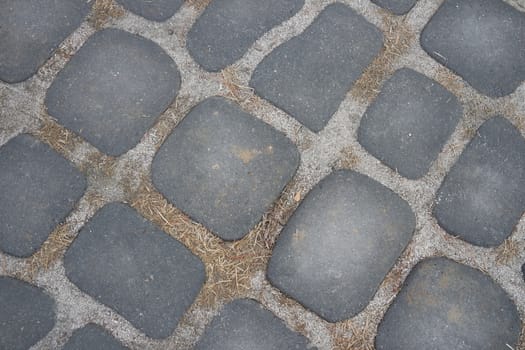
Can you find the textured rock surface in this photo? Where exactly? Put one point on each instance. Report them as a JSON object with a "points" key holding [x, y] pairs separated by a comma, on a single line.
{"points": [[31, 30], [223, 167], [92, 337], [340, 243], [309, 75], [481, 40], [245, 324], [113, 89], [158, 10], [399, 7], [446, 305], [125, 262], [409, 122], [27, 314], [38, 189], [483, 196]]}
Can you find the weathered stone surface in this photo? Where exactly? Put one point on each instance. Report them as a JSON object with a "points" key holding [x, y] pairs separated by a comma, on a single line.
{"points": [[158, 10], [309, 75], [223, 167], [227, 28], [523, 270], [445, 305], [92, 337], [340, 243], [244, 324], [482, 40], [31, 30], [113, 89], [398, 7], [38, 189], [125, 262], [408, 124], [27, 314], [483, 196]]}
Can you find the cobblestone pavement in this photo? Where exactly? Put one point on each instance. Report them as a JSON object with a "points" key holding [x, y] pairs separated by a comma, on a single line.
{"points": [[262, 174]]}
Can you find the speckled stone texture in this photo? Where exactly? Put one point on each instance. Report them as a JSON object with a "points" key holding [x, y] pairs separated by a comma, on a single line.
{"points": [[157, 10], [92, 337], [446, 305], [398, 7], [340, 243]]}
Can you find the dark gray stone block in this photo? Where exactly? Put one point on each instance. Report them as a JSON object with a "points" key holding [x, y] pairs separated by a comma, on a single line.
{"points": [[223, 167], [244, 324], [481, 40], [125, 262], [92, 337], [410, 121], [31, 30], [340, 243], [38, 189], [483, 196], [227, 28], [309, 75], [114, 89], [398, 7], [27, 315], [523, 270], [445, 305], [158, 10]]}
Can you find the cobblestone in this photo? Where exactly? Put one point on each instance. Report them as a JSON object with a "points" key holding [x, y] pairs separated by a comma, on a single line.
{"points": [[398, 7], [114, 89], [483, 196], [409, 123], [224, 168], [446, 305], [125, 262], [245, 324], [159, 10], [482, 40], [309, 75], [92, 337], [28, 314], [226, 29], [24, 48], [340, 243], [39, 188]]}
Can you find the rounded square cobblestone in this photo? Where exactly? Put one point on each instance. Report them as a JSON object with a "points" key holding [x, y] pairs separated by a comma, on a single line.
{"points": [[445, 305], [408, 124], [398, 7], [31, 30], [27, 314], [227, 28], [92, 337], [309, 76], [340, 243], [126, 263], [223, 167], [39, 188], [113, 89], [244, 324], [158, 10], [483, 196], [482, 40]]}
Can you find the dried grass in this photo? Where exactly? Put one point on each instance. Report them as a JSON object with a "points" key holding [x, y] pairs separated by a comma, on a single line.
{"points": [[58, 137], [362, 337], [236, 91], [199, 5], [103, 11], [507, 252], [348, 158], [397, 40]]}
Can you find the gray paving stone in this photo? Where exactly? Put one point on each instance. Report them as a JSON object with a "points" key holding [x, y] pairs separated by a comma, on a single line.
{"points": [[114, 89], [483, 196], [27, 315], [158, 10], [445, 305], [125, 262], [408, 124], [340, 244], [309, 75], [31, 30], [227, 28], [38, 189], [92, 337], [523, 270], [398, 7], [245, 324], [481, 40], [223, 167]]}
